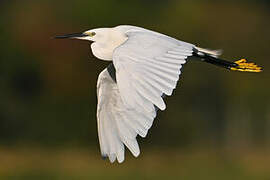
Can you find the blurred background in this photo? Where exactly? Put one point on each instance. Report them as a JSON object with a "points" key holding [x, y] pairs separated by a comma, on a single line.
{"points": [[216, 125]]}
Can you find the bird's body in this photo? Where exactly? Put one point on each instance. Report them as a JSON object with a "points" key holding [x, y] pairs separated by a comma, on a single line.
{"points": [[146, 67]]}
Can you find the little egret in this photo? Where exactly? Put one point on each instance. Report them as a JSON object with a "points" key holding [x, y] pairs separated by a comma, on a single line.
{"points": [[145, 68]]}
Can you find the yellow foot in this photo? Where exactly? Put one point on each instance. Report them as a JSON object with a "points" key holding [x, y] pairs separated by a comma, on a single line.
{"points": [[244, 66]]}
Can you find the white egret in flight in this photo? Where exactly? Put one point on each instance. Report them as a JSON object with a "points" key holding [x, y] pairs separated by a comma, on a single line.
{"points": [[145, 68]]}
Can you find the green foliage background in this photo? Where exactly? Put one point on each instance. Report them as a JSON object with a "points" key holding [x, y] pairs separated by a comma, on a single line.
{"points": [[48, 91]]}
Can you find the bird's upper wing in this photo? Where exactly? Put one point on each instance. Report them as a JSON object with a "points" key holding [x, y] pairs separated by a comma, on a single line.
{"points": [[147, 66], [118, 125]]}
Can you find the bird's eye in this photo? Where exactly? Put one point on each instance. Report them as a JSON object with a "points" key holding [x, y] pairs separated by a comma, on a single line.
{"points": [[92, 34]]}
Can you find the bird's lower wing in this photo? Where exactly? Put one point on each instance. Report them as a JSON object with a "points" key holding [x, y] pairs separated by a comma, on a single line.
{"points": [[117, 124]]}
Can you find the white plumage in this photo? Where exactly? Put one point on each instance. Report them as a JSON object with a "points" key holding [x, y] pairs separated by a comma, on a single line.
{"points": [[147, 67]]}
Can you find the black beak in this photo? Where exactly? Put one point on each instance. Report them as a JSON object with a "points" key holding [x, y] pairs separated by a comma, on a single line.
{"points": [[74, 35]]}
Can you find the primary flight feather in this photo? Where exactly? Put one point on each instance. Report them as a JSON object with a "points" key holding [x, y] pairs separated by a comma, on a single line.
{"points": [[145, 68]]}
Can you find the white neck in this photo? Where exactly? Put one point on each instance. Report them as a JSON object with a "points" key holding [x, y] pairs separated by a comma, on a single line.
{"points": [[109, 40]]}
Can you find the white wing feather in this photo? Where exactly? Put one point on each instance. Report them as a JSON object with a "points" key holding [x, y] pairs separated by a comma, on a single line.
{"points": [[118, 125], [147, 67]]}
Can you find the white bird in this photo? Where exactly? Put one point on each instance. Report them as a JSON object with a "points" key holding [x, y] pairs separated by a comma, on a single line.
{"points": [[145, 68]]}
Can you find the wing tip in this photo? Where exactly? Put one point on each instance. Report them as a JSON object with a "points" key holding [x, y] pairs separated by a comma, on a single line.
{"points": [[112, 158], [136, 150], [120, 160], [136, 154], [162, 106]]}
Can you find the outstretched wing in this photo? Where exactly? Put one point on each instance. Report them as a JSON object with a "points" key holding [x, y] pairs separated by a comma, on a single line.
{"points": [[117, 124], [147, 66]]}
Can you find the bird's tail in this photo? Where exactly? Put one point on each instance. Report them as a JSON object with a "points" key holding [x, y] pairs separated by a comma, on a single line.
{"points": [[239, 65]]}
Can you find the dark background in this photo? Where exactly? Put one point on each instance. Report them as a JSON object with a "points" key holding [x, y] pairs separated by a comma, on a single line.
{"points": [[216, 125]]}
